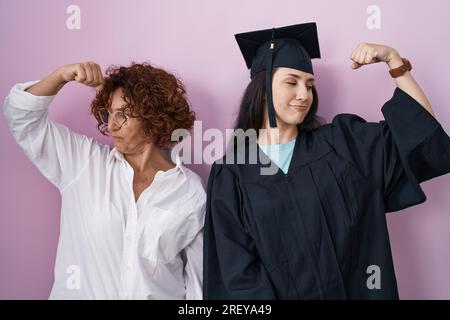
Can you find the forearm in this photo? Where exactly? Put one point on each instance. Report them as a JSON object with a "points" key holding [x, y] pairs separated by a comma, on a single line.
{"points": [[48, 86], [407, 83]]}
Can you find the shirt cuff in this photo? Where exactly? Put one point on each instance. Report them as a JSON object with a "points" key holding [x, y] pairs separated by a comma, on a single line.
{"points": [[21, 99]]}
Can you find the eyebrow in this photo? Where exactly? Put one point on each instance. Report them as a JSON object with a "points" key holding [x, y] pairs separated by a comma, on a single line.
{"points": [[299, 77]]}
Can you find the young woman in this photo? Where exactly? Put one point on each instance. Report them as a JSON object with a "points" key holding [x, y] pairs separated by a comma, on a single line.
{"points": [[316, 228], [131, 220]]}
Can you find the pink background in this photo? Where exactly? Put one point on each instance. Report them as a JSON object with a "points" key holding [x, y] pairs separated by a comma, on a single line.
{"points": [[195, 40]]}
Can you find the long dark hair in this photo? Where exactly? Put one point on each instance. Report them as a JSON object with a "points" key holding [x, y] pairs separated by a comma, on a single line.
{"points": [[251, 109]]}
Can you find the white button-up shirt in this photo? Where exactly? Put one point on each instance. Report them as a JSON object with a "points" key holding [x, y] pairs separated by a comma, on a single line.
{"points": [[110, 246]]}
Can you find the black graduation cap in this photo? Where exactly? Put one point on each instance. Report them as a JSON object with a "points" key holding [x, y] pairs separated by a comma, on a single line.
{"points": [[291, 46]]}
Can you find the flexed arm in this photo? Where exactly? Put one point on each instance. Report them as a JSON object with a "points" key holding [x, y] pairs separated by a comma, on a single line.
{"points": [[88, 73], [368, 53], [58, 152]]}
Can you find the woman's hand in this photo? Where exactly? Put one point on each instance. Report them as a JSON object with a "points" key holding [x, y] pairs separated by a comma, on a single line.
{"points": [[88, 73], [368, 53]]}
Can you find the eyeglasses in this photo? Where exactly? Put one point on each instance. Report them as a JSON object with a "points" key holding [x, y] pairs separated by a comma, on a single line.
{"points": [[119, 117]]}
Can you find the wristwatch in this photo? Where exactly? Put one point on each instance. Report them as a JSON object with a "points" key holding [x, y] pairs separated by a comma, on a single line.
{"points": [[397, 72]]}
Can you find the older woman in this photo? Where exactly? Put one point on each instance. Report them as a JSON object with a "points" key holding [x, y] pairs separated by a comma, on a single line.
{"points": [[131, 220]]}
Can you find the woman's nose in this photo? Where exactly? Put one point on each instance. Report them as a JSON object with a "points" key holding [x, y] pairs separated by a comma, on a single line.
{"points": [[302, 94], [112, 127]]}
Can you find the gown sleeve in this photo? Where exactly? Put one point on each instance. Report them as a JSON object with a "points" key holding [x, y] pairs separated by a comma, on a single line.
{"points": [[232, 266], [400, 152]]}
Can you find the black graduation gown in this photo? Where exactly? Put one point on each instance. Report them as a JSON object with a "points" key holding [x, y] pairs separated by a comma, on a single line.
{"points": [[315, 232]]}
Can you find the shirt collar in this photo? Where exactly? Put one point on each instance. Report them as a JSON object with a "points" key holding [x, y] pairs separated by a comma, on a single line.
{"points": [[118, 154], [178, 164]]}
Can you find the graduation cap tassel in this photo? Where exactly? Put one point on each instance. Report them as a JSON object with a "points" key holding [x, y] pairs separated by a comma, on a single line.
{"points": [[271, 109]]}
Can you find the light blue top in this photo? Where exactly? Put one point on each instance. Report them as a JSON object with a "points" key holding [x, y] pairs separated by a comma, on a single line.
{"points": [[281, 153]]}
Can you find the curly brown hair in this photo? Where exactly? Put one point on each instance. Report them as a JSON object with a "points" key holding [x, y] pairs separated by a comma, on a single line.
{"points": [[154, 96]]}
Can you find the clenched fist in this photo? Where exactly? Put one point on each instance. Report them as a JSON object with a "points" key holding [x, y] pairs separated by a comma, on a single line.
{"points": [[367, 53], [88, 73]]}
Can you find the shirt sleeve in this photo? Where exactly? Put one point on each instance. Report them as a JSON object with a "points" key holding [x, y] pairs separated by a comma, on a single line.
{"points": [[58, 153], [400, 152], [232, 266], [194, 268], [192, 242]]}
